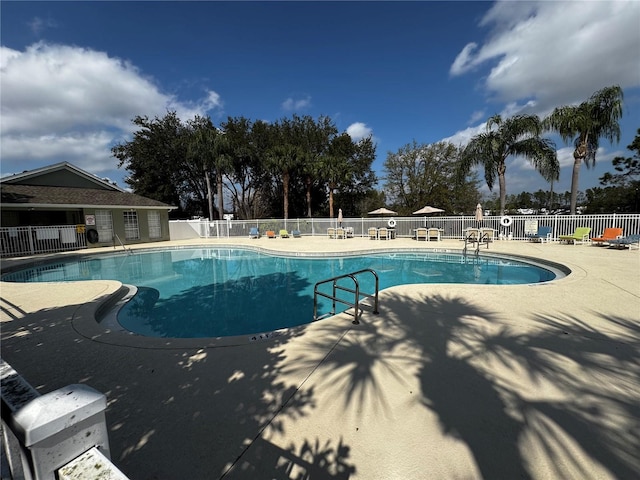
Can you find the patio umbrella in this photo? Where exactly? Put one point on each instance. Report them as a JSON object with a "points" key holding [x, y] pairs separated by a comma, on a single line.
{"points": [[340, 217], [479, 213], [428, 209], [383, 211]]}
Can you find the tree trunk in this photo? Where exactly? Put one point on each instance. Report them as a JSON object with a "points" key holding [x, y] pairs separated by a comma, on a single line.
{"points": [[209, 195], [503, 188], [330, 201], [220, 199], [285, 188], [577, 162], [308, 182], [579, 155]]}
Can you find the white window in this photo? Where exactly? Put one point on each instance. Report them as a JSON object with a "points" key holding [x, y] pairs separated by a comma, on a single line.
{"points": [[155, 230], [104, 226], [131, 231]]}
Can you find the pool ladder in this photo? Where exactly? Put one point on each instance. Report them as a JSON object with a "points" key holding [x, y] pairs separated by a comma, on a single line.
{"points": [[484, 238], [355, 290], [128, 250]]}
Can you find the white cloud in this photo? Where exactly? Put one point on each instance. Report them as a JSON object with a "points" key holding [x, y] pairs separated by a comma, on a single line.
{"points": [[465, 60], [66, 103], [462, 137], [187, 110], [358, 130], [556, 52], [292, 105], [37, 25], [540, 55], [89, 151], [477, 115]]}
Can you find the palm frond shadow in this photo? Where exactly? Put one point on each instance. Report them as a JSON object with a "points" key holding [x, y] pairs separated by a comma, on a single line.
{"points": [[564, 388]]}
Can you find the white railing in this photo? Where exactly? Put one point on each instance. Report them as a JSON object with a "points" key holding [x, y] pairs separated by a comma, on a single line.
{"points": [[31, 240], [521, 226], [17, 241]]}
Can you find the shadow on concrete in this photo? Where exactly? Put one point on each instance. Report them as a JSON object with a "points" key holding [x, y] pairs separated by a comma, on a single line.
{"points": [[311, 460], [563, 394], [182, 413]]}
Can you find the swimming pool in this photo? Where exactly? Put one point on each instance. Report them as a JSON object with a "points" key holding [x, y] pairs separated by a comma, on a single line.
{"points": [[215, 292]]}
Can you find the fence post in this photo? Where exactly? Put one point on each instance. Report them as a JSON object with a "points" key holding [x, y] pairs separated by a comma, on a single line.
{"points": [[31, 247], [54, 428]]}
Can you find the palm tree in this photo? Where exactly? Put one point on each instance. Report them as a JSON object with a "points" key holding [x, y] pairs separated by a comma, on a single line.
{"points": [[335, 166], [518, 135], [221, 163], [209, 145], [588, 122], [317, 136], [284, 159]]}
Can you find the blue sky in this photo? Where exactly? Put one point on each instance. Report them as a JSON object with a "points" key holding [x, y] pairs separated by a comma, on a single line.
{"points": [[74, 74]]}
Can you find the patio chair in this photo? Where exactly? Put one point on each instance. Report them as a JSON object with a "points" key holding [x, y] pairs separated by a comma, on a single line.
{"points": [[331, 232], [284, 233], [373, 233], [270, 234], [631, 241], [581, 235], [433, 233], [543, 234], [421, 233], [296, 234], [254, 233], [383, 233], [340, 233], [608, 235]]}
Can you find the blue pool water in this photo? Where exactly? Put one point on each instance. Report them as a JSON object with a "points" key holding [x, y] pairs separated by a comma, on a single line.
{"points": [[212, 292]]}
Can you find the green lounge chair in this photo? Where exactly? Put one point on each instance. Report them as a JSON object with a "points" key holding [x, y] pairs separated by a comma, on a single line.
{"points": [[581, 235], [284, 233]]}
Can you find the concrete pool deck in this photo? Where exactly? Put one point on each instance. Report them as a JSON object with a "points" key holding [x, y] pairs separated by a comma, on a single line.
{"points": [[447, 382]]}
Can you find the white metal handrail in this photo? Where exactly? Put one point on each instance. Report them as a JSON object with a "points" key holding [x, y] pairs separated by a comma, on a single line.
{"points": [[355, 291], [128, 250]]}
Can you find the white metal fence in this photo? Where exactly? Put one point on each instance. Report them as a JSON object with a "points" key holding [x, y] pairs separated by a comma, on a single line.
{"points": [[30, 240], [452, 227], [18, 241]]}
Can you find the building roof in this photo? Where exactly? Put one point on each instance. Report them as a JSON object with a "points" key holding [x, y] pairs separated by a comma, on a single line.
{"points": [[65, 186], [62, 170], [33, 196]]}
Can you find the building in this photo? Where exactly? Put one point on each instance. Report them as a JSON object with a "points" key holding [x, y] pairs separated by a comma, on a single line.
{"points": [[61, 207]]}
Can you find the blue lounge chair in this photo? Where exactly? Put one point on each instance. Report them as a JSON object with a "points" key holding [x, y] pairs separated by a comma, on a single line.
{"points": [[631, 241], [254, 233], [296, 234], [542, 235]]}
